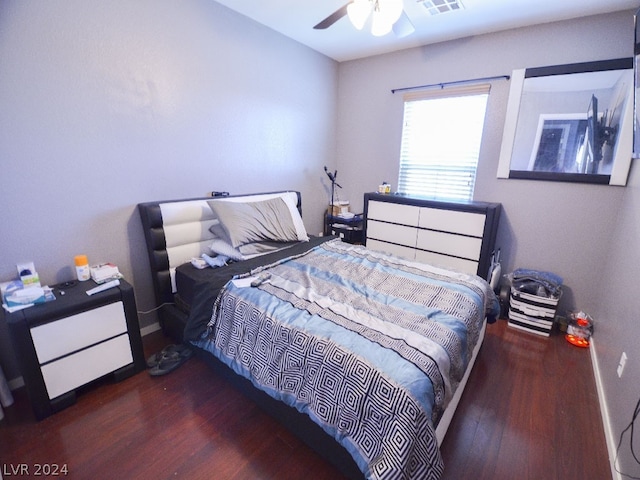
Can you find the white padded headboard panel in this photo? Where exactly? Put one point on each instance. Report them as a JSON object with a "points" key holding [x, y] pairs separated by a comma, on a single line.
{"points": [[186, 226], [186, 229]]}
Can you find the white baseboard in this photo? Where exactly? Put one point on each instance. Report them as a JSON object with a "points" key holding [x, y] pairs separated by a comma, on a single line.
{"points": [[604, 411], [154, 327], [15, 383]]}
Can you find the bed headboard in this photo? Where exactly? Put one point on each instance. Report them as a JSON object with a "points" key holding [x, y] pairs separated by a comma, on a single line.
{"points": [[177, 230]]}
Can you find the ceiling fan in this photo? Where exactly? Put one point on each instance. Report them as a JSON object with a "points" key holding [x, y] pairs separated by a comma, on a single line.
{"points": [[385, 15]]}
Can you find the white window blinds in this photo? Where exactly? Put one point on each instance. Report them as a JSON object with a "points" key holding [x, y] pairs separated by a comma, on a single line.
{"points": [[441, 138]]}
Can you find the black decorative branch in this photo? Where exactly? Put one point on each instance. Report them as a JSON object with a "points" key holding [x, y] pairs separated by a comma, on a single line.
{"points": [[334, 184]]}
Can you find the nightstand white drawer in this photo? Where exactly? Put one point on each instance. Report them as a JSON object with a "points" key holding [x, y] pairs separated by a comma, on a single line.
{"points": [[75, 370], [56, 339]]}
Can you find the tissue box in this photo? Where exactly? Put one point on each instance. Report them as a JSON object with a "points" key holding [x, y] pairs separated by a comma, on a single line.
{"points": [[28, 275], [104, 272]]}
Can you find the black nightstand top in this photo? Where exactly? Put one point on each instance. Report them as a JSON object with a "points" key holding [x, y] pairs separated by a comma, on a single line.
{"points": [[74, 300]]}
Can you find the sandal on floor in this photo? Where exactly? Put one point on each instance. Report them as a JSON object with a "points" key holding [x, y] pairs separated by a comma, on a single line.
{"points": [[171, 360], [181, 349]]}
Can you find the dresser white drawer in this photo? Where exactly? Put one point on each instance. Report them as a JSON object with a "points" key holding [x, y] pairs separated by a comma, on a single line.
{"points": [[458, 235], [465, 223], [56, 339], [450, 244], [399, 250], [75, 370], [393, 212], [454, 263], [389, 232]]}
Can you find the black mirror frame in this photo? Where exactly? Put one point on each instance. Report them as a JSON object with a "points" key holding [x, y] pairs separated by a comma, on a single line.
{"points": [[517, 79], [636, 86]]}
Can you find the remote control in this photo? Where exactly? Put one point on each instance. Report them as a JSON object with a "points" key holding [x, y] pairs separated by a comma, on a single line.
{"points": [[263, 277], [103, 287]]}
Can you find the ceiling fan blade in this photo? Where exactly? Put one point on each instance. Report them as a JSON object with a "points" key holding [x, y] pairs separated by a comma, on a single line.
{"points": [[333, 18], [403, 26]]}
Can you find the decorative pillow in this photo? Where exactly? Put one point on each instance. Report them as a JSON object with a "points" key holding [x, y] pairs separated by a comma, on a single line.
{"points": [[220, 247], [266, 220], [217, 229]]}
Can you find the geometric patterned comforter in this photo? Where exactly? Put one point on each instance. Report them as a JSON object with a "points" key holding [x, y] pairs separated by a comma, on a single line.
{"points": [[370, 346]]}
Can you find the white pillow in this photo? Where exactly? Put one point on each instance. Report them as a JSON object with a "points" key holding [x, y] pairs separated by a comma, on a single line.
{"points": [[296, 218]]}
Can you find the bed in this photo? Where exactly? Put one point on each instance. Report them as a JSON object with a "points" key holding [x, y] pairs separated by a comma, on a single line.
{"points": [[363, 355]]}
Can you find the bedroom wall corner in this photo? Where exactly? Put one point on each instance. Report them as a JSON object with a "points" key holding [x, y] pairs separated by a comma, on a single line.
{"points": [[616, 316], [604, 410], [107, 105]]}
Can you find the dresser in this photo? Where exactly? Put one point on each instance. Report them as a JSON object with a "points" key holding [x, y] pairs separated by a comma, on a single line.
{"points": [[456, 235], [70, 342]]}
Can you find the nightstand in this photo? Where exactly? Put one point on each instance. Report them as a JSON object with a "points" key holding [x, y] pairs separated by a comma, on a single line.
{"points": [[69, 342], [349, 230]]}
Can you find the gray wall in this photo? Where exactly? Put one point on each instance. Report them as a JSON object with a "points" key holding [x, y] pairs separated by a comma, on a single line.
{"points": [[108, 104], [588, 234], [616, 307], [105, 105]]}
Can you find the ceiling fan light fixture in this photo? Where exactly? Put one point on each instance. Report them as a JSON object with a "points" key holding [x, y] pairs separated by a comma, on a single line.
{"points": [[358, 12], [383, 13], [390, 9], [380, 24]]}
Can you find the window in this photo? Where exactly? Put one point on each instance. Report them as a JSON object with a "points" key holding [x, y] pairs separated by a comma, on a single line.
{"points": [[441, 137]]}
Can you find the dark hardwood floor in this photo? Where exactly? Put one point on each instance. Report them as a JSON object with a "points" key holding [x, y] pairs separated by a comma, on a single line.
{"points": [[530, 411]]}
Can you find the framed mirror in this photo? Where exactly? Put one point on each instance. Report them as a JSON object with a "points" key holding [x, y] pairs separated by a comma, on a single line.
{"points": [[571, 123]]}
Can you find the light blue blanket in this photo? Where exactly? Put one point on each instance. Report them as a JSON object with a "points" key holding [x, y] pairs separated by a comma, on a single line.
{"points": [[370, 346]]}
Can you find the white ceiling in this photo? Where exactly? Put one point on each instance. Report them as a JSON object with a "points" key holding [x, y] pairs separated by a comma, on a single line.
{"points": [[341, 41]]}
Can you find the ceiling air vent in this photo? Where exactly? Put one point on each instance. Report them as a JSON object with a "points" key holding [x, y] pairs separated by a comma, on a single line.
{"points": [[436, 7]]}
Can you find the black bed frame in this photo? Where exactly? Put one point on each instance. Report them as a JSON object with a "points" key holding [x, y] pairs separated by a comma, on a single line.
{"points": [[173, 321]]}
